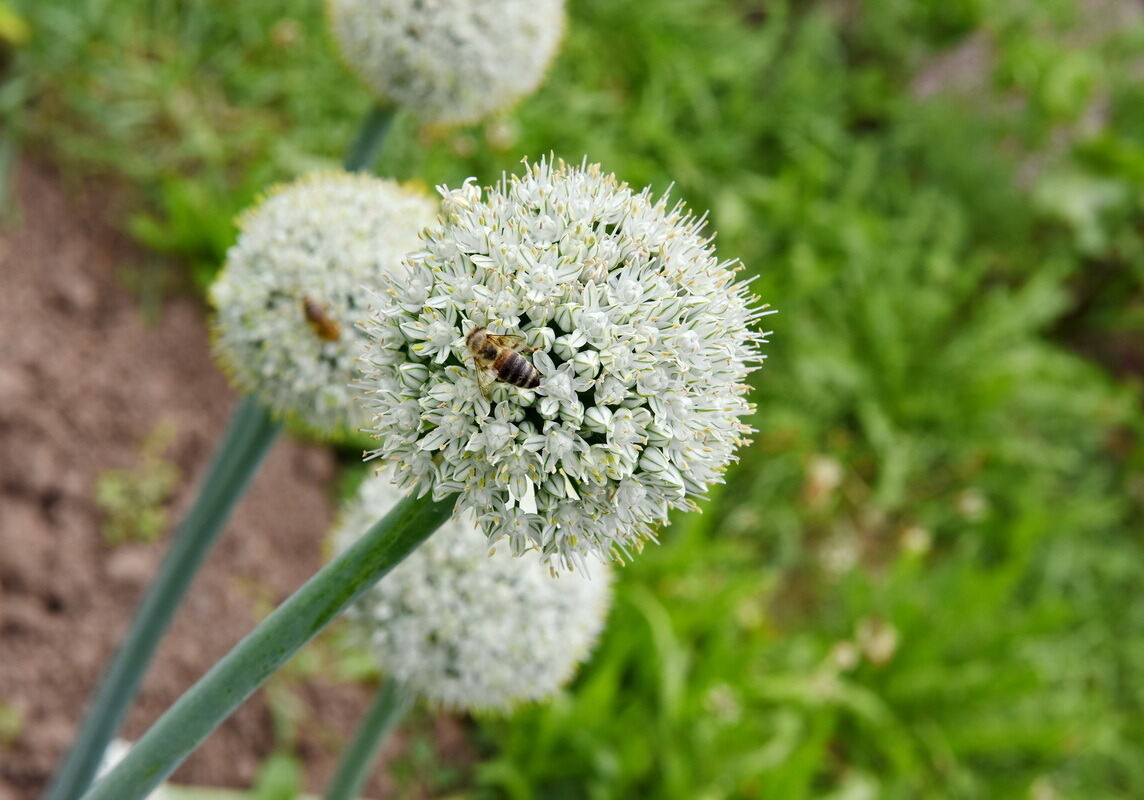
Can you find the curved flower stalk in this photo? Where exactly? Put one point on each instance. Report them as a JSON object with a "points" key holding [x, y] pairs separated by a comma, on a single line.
{"points": [[640, 335], [449, 61], [468, 629], [329, 223], [291, 294], [248, 437], [269, 646]]}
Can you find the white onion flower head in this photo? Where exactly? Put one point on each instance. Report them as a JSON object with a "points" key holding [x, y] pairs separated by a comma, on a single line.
{"points": [[466, 629], [449, 61], [293, 291], [643, 345]]}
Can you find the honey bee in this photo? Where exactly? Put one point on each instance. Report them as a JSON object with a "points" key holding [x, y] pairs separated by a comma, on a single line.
{"points": [[497, 354], [320, 322]]}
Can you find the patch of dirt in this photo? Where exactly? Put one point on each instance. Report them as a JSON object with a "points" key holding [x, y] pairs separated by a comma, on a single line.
{"points": [[83, 380]]}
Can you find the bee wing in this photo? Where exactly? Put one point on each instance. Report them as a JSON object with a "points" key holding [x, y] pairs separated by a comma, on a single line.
{"points": [[510, 340], [484, 378]]}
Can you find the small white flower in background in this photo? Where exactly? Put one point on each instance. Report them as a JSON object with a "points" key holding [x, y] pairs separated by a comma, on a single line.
{"points": [[449, 61], [642, 342], [291, 294], [470, 630], [878, 640]]}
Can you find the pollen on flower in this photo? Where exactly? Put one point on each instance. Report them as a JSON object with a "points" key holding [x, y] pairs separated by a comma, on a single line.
{"points": [[467, 628], [292, 291], [449, 61], [643, 361]]}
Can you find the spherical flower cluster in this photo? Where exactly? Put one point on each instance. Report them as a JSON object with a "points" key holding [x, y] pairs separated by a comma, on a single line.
{"points": [[642, 343], [449, 61], [293, 291], [468, 629]]}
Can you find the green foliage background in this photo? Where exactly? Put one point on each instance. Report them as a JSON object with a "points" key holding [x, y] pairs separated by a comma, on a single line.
{"points": [[924, 578]]}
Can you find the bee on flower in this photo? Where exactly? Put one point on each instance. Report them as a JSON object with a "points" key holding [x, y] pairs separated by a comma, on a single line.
{"points": [[292, 291], [495, 354], [640, 338]]}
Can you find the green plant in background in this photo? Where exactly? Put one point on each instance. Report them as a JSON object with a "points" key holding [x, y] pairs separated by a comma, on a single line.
{"points": [[282, 775], [11, 723], [14, 34], [134, 500], [14, 29], [190, 224], [279, 778]]}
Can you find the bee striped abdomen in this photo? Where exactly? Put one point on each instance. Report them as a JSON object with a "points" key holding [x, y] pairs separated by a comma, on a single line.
{"points": [[512, 367]]}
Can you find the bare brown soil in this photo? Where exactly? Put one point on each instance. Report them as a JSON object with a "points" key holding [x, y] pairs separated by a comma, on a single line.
{"points": [[83, 380]]}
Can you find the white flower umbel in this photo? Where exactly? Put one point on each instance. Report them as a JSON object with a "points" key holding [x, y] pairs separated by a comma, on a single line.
{"points": [[449, 61], [643, 348], [292, 292], [468, 629]]}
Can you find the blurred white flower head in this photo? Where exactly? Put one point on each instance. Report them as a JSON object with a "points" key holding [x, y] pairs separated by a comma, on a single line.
{"points": [[292, 291], [467, 629], [449, 61], [640, 336]]}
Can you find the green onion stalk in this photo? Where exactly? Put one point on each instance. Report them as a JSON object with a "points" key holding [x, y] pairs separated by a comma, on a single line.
{"points": [[390, 705], [244, 444], [248, 437], [270, 645]]}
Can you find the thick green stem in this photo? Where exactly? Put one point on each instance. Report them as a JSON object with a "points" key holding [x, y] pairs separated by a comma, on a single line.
{"points": [[200, 710], [363, 153], [247, 439], [244, 444], [392, 701]]}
